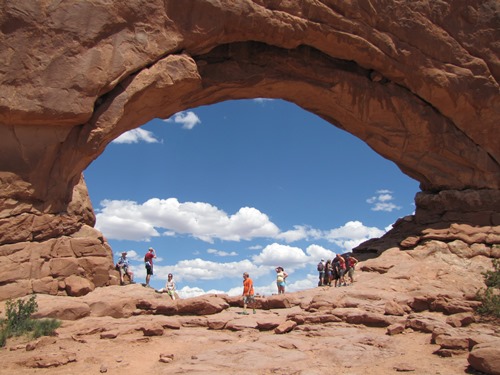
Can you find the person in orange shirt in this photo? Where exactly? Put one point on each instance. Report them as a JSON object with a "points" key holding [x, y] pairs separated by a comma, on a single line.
{"points": [[248, 293]]}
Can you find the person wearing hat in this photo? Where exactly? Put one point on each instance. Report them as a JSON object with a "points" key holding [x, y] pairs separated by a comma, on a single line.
{"points": [[124, 268], [148, 262]]}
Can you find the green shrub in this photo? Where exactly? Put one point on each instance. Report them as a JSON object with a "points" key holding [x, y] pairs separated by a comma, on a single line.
{"points": [[45, 327], [19, 322], [490, 297], [3, 336]]}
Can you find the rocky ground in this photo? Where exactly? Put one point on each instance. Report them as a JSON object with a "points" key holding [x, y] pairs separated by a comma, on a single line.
{"points": [[408, 311]]}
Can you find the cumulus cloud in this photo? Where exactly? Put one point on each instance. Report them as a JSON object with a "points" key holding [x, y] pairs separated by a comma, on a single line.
{"points": [[382, 201], [188, 119], [136, 136], [300, 232], [281, 255], [351, 234], [316, 253], [119, 219], [220, 253]]}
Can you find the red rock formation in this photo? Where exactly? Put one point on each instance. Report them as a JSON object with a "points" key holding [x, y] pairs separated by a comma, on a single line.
{"points": [[416, 80]]}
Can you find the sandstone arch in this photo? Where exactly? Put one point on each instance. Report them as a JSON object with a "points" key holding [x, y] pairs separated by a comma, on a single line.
{"points": [[416, 80]]}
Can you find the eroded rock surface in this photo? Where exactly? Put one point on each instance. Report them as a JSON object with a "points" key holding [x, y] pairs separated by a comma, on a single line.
{"points": [[416, 80], [417, 317]]}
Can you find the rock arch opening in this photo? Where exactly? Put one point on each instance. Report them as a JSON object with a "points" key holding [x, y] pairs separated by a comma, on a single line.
{"points": [[210, 187]]}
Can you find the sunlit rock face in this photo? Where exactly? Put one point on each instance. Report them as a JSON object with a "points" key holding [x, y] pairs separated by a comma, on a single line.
{"points": [[416, 80]]}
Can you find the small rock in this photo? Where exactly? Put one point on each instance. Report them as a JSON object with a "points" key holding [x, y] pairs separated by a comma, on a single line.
{"points": [[166, 358], [103, 369], [285, 327], [403, 367]]}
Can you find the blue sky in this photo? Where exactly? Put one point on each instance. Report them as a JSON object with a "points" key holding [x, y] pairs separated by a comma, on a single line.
{"points": [[239, 186]]}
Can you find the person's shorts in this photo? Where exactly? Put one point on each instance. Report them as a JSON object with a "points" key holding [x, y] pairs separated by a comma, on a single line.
{"points": [[248, 299], [282, 284], [351, 272], [342, 273], [149, 269], [123, 270]]}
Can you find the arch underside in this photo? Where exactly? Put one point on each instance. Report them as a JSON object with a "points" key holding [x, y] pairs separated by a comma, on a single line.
{"points": [[416, 80]]}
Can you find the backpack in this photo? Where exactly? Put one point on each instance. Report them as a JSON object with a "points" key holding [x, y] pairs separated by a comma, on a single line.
{"points": [[321, 266]]}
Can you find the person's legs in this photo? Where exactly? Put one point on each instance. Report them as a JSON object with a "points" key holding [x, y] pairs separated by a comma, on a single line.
{"points": [[122, 272], [252, 303], [130, 275], [149, 272], [351, 274]]}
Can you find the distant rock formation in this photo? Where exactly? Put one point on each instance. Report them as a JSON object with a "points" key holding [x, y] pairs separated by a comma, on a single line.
{"points": [[417, 81]]}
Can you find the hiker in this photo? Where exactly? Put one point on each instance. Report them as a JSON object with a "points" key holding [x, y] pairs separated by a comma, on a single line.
{"points": [[321, 270], [328, 273], [248, 293], [169, 287], [281, 276], [351, 263], [148, 262], [342, 269], [124, 268]]}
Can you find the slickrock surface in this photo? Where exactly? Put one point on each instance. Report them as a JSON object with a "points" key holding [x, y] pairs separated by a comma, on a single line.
{"points": [[408, 311]]}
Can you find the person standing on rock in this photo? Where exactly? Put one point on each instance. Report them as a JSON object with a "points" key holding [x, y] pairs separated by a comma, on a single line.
{"points": [[351, 263], [248, 293], [148, 262], [342, 268], [281, 276], [124, 268], [321, 270]]}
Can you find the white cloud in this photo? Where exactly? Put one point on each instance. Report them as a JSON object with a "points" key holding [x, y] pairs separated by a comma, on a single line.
{"points": [[136, 136], [351, 234], [316, 253], [220, 253], [188, 292], [256, 247], [262, 100], [200, 269], [188, 119], [281, 255], [300, 232], [129, 220], [382, 201]]}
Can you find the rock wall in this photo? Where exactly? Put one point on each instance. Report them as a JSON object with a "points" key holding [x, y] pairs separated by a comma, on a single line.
{"points": [[416, 80]]}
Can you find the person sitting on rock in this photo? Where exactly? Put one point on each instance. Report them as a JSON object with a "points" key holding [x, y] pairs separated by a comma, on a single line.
{"points": [[123, 266], [169, 287]]}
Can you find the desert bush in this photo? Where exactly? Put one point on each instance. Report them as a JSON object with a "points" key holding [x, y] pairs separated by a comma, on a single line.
{"points": [[490, 297], [18, 321], [45, 327]]}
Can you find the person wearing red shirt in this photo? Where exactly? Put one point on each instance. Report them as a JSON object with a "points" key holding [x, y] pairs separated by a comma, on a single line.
{"points": [[148, 262]]}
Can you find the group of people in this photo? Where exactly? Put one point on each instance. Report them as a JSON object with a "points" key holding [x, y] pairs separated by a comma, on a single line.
{"points": [[124, 267], [337, 270]]}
